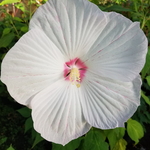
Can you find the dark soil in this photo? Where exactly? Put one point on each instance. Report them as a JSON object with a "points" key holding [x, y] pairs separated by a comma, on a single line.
{"points": [[12, 127]]}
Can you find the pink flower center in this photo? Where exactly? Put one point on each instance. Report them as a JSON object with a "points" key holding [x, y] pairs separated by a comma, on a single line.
{"points": [[74, 71]]}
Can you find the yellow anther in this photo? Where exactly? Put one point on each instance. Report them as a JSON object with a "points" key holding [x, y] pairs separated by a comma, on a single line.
{"points": [[78, 85], [74, 77]]}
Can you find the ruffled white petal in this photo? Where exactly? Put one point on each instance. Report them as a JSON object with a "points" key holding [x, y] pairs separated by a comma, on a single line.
{"points": [[109, 103], [119, 51], [57, 113], [31, 65], [73, 25]]}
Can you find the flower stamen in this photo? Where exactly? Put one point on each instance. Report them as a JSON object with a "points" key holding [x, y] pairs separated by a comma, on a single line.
{"points": [[74, 77]]}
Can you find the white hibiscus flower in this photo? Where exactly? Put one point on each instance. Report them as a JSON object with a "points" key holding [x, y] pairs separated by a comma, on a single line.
{"points": [[76, 67]]}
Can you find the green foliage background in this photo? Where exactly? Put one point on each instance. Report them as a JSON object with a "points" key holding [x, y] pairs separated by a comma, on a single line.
{"points": [[16, 124]]}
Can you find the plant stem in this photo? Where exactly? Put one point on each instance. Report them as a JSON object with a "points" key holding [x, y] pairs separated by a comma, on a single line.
{"points": [[14, 28]]}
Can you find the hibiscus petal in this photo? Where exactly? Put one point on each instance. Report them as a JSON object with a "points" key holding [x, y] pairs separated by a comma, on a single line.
{"points": [[57, 113], [108, 103], [31, 65], [70, 24], [119, 51]]}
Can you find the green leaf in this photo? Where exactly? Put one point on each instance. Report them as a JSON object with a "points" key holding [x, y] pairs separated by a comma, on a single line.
{"points": [[3, 140], [118, 8], [147, 115], [112, 138], [147, 100], [135, 130], [10, 148], [17, 19], [37, 140], [120, 145], [24, 29], [21, 6], [6, 40], [102, 8], [6, 31], [95, 140], [95, 1], [33, 133], [25, 112], [70, 146], [148, 80], [28, 124], [4, 2], [146, 68], [120, 132], [114, 135]]}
